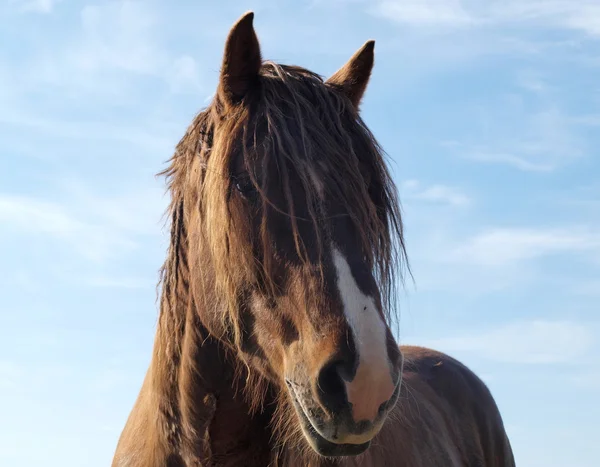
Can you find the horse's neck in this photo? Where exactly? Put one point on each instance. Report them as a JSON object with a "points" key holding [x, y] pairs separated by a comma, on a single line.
{"points": [[200, 395]]}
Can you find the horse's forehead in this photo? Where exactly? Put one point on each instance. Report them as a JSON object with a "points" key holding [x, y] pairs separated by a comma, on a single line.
{"points": [[314, 171]]}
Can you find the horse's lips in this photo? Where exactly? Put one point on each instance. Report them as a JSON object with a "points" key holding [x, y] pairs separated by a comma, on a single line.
{"points": [[321, 445]]}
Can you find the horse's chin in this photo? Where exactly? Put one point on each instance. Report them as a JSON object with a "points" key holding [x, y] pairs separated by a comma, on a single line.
{"points": [[326, 448], [321, 445]]}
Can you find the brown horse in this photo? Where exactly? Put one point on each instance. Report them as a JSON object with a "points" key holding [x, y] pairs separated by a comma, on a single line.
{"points": [[273, 345]]}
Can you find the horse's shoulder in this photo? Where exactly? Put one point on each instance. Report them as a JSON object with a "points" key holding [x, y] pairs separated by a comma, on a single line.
{"points": [[455, 392], [441, 371]]}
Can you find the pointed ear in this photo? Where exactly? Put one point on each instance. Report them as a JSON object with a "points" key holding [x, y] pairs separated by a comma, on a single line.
{"points": [[241, 61], [353, 77]]}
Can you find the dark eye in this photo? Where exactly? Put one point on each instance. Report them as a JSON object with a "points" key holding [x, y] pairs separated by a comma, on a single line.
{"points": [[245, 187]]}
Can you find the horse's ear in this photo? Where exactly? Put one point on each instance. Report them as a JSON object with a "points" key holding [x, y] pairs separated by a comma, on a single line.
{"points": [[241, 61], [354, 76]]}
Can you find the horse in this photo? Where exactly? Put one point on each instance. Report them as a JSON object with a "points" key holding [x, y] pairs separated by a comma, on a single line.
{"points": [[273, 345]]}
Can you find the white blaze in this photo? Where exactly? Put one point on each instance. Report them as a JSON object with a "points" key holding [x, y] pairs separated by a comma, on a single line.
{"points": [[373, 383]]}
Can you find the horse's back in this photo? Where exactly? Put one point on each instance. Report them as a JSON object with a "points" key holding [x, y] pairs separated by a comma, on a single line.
{"points": [[445, 417]]}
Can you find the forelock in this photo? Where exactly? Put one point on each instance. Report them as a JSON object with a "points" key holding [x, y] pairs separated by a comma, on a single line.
{"points": [[293, 125]]}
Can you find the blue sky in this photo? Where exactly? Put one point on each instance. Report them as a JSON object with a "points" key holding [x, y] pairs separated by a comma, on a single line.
{"points": [[489, 110]]}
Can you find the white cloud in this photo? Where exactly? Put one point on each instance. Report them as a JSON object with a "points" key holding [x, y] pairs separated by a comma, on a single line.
{"points": [[184, 75], [425, 12], [32, 216], [125, 36], [592, 120], [508, 246], [10, 374], [37, 215], [137, 212], [155, 135], [119, 35], [587, 288], [442, 194], [539, 139], [586, 19], [95, 227], [527, 342], [113, 45], [120, 282], [36, 6], [589, 379], [533, 81], [581, 15], [451, 252], [514, 160]]}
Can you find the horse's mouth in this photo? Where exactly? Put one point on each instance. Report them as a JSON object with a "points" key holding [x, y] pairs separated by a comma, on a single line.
{"points": [[322, 446]]}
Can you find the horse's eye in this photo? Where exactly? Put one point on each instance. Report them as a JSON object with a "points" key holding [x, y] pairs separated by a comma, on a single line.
{"points": [[246, 188]]}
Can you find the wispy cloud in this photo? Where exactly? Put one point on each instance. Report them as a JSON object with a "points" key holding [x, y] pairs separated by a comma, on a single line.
{"points": [[116, 35], [509, 246], [524, 342], [591, 120], [120, 282], [114, 43], [589, 379], [31, 216], [152, 136], [184, 75], [533, 81], [534, 135], [440, 194], [453, 251], [137, 211], [515, 160], [425, 12], [35, 6], [582, 15], [95, 227], [589, 288]]}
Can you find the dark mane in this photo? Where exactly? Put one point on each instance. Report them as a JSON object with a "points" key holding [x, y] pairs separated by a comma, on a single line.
{"points": [[296, 122]]}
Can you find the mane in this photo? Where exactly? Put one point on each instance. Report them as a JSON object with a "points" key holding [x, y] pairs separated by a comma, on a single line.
{"points": [[292, 121]]}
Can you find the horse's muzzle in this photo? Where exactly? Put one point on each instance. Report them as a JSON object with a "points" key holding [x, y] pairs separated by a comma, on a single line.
{"points": [[336, 435]]}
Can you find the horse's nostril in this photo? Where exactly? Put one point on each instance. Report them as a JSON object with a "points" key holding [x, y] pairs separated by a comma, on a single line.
{"points": [[331, 386]]}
